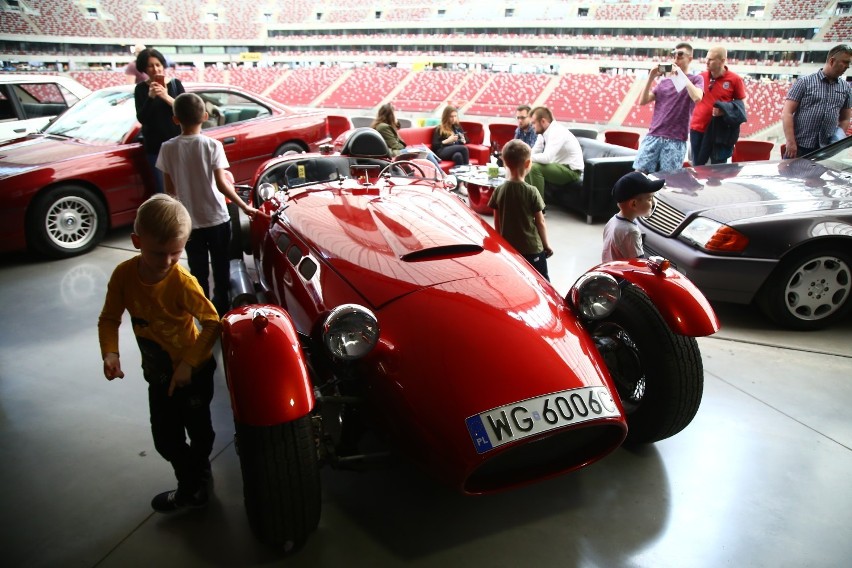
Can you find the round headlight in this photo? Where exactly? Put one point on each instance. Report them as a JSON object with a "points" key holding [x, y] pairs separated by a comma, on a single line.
{"points": [[350, 331], [265, 191], [595, 295]]}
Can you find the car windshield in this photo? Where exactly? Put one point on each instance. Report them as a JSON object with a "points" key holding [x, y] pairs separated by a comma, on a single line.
{"points": [[104, 117], [837, 156]]}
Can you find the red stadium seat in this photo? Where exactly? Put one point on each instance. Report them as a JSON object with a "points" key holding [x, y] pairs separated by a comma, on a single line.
{"points": [[751, 150], [337, 125], [501, 133], [622, 138]]}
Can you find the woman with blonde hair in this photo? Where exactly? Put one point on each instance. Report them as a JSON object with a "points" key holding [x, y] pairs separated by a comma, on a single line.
{"points": [[448, 141]]}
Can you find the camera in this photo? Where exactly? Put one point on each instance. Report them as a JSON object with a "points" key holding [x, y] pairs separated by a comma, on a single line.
{"points": [[665, 67]]}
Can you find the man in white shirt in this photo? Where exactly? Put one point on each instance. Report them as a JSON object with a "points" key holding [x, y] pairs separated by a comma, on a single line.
{"points": [[557, 156]]}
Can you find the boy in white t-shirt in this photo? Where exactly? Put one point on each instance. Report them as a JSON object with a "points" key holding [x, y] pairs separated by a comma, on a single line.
{"points": [[634, 193], [194, 171]]}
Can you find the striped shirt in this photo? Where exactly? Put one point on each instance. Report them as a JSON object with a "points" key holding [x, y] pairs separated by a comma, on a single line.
{"points": [[820, 102]]}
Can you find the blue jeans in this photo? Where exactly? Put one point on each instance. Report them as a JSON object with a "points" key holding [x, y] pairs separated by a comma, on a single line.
{"points": [[212, 241], [719, 155], [159, 184]]}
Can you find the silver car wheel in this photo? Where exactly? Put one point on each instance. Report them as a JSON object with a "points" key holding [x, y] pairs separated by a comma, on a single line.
{"points": [[71, 222], [818, 288]]}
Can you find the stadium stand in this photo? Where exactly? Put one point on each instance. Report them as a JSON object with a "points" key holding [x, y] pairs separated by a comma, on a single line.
{"points": [[426, 90], [586, 61], [506, 91], [365, 87], [588, 98]]}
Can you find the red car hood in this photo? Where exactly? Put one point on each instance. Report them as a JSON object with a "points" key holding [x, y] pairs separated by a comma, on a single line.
{"points": [[386, 248], [24, 154]]}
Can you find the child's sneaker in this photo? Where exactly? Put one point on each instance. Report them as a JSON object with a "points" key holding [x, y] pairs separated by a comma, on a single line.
{"points": [[170, 501]]}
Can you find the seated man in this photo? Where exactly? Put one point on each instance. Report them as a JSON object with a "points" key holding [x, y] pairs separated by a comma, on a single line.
{"points": [[525, 130], [557, 156]]}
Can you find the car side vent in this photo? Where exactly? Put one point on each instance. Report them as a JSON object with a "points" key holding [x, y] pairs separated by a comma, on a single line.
{"points": [[294, 255], [283, 242], [665, 219], [449, 250], [307, 268]]}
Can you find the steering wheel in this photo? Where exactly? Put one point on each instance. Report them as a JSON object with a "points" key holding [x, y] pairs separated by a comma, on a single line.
{"points": [[387, 168]]}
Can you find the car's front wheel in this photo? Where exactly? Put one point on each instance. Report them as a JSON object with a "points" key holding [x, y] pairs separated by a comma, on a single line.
{"points": [[289, 148], [659, 375], [66, 221], [809, 291], [281, 484]]}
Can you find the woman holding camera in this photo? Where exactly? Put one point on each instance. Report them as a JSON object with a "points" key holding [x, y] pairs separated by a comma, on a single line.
{"points": [[449, 140], [154, 99]]}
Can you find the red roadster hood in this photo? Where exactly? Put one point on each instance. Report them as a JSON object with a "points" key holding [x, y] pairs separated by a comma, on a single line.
{"points": [[386, 248]]}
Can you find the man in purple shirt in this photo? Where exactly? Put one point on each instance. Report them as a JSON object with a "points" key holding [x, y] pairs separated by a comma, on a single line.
{"points": [[664, 147], [133, 74]]}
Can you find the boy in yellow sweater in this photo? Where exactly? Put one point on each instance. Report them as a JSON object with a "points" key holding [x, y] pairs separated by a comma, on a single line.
{"points": [[164, 301]]}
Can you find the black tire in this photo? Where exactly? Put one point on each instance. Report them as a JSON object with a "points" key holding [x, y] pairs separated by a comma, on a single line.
{"points": [[281, 484], [659, 375], [288, 148], [809, 291], [66, 221]]}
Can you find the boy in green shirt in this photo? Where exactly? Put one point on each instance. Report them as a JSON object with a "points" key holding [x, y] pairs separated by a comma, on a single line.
{"points": [[519, 209]]}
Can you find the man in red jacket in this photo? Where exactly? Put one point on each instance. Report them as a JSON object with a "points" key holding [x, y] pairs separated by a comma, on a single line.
{"points": [[720, 84]]}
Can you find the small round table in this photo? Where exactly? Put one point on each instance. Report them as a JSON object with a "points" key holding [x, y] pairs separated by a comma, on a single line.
{"points": [[479, 186]]}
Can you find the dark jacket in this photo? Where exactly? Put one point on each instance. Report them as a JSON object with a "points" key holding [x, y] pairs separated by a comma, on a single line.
{"points": [[722, 131], [155, 115]]}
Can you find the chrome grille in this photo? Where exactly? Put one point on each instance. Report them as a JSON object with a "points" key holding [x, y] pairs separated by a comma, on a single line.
{"points": [[665, 219]]}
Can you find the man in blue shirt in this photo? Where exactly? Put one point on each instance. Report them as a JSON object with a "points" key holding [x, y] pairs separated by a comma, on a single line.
{"points": [[525, 130], [818, 105]]}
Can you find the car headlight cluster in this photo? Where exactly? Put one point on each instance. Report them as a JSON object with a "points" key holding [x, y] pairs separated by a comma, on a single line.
{"points": [[714, 236], [350, 332], [594, 295]]}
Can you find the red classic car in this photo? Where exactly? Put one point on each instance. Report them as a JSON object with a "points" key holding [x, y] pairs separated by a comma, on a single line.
{"points": [[62, 188], [386, 318]]}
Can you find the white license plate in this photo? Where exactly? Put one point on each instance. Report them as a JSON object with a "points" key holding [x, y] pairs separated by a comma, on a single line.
{"points": [[533, 416]]}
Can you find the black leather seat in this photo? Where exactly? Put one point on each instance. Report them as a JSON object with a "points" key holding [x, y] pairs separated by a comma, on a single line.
{"points": [[365, 143]]}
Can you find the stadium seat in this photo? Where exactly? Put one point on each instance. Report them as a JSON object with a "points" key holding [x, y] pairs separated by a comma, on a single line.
{"points": [[751, 150], [622, 138], [337, 125], [501, 133]]}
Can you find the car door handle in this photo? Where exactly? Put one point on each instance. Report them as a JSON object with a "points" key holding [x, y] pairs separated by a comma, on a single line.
{"points": [[19, 130], [229, 140]]}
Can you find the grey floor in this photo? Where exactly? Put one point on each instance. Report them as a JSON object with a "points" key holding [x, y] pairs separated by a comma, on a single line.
{"points": [[760, 478]]}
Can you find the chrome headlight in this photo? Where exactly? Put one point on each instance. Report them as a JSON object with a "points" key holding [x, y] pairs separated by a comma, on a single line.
{"points": [[265, 191], [350, 331], [594, 295]]}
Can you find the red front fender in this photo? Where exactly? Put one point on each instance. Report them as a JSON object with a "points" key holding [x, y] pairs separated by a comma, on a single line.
{"points": [[681, 304], [264, 364]]}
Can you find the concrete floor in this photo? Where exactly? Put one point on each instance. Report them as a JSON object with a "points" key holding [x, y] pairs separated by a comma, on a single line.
{"points": [[760, 478]]}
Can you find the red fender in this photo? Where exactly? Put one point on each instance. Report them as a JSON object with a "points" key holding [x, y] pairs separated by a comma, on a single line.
{"points": [[681, 304], [265, 367]]}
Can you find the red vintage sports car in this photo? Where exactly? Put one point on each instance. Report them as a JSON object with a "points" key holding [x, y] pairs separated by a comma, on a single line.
{"points": [[62, 188], [386, 318]]}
